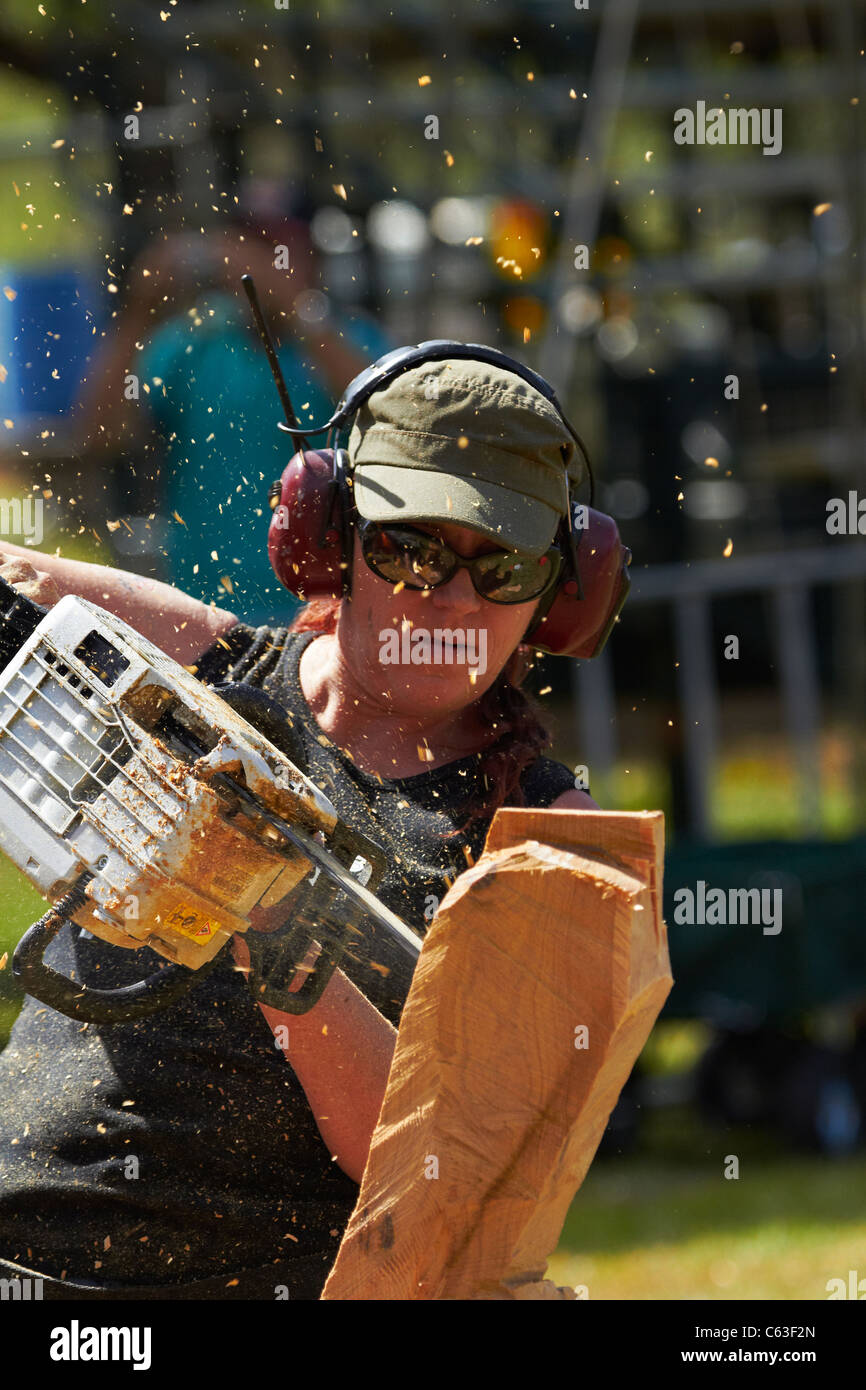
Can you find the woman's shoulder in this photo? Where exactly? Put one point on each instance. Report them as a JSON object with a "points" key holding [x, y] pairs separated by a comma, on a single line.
{"points": [[246, 653]]}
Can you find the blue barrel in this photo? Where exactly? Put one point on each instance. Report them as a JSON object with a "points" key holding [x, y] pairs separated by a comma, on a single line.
{"points": [[49, 328]]}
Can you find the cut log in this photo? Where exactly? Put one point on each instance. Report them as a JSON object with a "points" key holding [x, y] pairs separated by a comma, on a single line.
{"points": [[537, 986]]}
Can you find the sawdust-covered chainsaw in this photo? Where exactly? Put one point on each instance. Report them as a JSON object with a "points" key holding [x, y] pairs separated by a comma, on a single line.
{"points": [[154, 810]]}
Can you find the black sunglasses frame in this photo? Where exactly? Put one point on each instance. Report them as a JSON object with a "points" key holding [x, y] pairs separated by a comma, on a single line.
{"points": [[369, 529]]}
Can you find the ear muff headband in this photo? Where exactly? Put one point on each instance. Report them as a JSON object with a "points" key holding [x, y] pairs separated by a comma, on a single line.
{"points": [[385, 369]]}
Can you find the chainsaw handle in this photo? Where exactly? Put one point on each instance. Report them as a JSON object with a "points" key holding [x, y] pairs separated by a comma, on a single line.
{"points": [[84, 1002], [271, 972]]}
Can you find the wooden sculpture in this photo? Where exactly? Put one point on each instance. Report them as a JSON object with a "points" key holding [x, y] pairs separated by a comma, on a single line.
{"points": [[537, 986]]}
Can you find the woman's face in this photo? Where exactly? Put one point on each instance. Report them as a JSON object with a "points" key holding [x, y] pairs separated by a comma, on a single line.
{"points": [[373, 624]]}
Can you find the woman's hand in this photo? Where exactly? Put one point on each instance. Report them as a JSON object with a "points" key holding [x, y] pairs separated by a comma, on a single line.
{"points": [[574, 800], [32, 583]]}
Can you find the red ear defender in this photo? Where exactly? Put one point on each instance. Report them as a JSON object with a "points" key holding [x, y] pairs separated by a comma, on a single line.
{"points": [[579, 626], [307, 535]]}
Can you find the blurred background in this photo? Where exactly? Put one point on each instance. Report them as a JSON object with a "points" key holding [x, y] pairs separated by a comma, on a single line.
{"points": [[395, 174]]}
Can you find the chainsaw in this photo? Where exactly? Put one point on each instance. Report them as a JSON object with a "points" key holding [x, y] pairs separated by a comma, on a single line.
{"points": [[153, 810]]}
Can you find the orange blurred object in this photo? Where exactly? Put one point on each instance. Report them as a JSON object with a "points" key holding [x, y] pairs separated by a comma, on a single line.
{"points": [[518, 238], [522, 313]]}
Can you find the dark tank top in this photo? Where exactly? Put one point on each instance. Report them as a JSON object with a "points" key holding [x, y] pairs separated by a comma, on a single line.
{"points": [[181, 1147]]}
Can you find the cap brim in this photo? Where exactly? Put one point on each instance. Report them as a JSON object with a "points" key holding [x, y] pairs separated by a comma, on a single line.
{"points": [[385, 492]]}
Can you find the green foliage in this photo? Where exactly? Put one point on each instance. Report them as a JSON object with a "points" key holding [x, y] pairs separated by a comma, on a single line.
{"points": [[22, 905], [49, 215]]}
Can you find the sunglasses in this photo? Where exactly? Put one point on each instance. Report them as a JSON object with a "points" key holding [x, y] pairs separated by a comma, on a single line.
{"points": [[403, 555]]}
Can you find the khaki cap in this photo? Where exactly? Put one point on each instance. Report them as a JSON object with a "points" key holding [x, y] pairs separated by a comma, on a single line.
{"points": [[468, 443]]}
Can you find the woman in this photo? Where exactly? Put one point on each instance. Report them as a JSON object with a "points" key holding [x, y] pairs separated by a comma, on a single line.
{"points": [[179, 1156]]}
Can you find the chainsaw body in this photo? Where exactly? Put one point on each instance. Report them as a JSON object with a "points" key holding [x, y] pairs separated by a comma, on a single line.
{"points": [[188, 823]]}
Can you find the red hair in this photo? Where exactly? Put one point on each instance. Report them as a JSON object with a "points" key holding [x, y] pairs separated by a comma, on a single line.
{"points": [[503, 705]]}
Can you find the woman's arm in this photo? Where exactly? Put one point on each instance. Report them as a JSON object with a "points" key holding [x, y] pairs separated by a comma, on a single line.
{"points": [[181, 626], [340, 1051]]}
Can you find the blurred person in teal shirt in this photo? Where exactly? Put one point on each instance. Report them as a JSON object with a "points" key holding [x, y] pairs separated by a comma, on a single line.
{"points": [[205, 382]]}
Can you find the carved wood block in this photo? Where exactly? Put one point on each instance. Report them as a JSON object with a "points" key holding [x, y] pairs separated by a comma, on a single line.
{"points": [[537, 986]]}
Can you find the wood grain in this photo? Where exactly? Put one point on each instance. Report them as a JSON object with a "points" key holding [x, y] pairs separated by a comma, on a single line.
{"points": [[493, 1109]]}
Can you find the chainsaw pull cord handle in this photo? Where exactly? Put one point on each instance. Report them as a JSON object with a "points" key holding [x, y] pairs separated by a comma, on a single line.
{"points": [[84, 1002]]}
